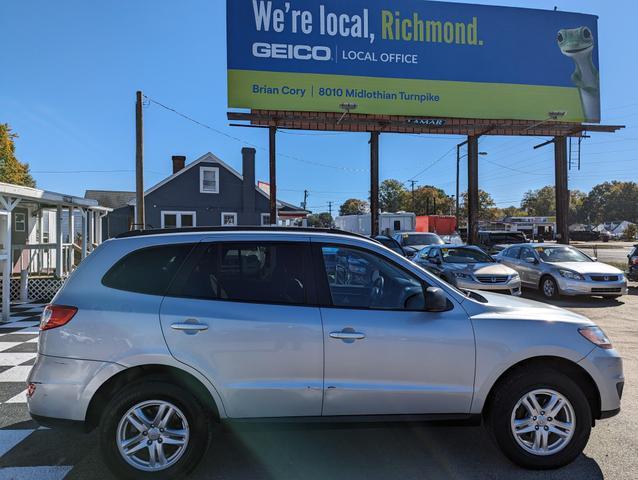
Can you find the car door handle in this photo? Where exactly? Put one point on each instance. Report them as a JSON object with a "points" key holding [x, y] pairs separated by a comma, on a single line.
{"points": [[189, 327], [348, 335]]}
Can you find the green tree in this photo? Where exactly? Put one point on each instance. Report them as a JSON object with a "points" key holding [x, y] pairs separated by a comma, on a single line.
{"points": [[320, 220], [631, 232], [429, 200], [611, 201], [542, 203], [392, 196], [487, 207], [513, 211], [11, 169], [539, 203], [354, 206]]}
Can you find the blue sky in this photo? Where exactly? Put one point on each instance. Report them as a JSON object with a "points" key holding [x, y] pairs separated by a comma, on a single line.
{"points": [[69, 71]]}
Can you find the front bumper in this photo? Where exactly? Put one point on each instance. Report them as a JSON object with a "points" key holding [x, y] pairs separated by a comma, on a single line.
{"points": [[605, 368], [590, 287], [511, 287], [64, 386]]}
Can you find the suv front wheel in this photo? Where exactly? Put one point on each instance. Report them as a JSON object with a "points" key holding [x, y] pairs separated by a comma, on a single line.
{"points": [[153, 430], [540, 418]]}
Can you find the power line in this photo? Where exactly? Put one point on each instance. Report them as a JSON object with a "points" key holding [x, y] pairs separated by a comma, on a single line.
{"points": [[240, 140]]}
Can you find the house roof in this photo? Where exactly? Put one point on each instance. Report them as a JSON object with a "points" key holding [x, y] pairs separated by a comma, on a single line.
{"points": [[45, 197], [110, 198], [211, 158]]}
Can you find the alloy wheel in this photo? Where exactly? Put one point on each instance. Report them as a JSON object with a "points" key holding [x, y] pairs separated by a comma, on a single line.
{"points": [[152, 435], [543, 422]]}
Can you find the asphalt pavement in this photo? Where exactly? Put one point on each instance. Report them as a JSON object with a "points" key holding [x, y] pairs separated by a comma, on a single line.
{"points": [[360, 451]]}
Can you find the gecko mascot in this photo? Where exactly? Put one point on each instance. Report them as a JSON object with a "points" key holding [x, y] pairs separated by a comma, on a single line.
{"points": [[578, 44]]}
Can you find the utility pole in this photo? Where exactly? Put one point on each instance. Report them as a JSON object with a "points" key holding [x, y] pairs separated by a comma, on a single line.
{"points": [[412, 183], [305, 199], [330, 211], [139, 164], [458, 166]]}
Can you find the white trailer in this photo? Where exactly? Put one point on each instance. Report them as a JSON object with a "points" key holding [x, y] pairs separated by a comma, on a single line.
{"points": [[388, 223]]}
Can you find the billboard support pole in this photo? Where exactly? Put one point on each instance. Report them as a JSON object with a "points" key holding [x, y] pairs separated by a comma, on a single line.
{"points": [[472, 190], [374, 183], [561, 189], [272, 134]]}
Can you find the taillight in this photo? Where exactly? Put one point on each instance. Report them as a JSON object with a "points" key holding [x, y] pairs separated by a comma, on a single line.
{"points": [[634, 260], [55, 316]]}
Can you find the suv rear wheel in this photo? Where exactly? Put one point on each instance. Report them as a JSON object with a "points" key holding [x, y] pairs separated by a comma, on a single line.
{"points": [[153, 430], [540, 419]]}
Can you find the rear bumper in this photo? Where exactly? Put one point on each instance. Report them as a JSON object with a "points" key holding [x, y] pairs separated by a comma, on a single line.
{"points": [[65, 386], [60, 423]]}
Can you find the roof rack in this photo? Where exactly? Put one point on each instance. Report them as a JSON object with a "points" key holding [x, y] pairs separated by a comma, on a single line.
{"points": [[252, 228]]}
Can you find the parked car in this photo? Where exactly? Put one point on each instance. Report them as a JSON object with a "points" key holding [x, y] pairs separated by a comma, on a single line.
{"points": [[412, 242], [632, 267], [452, 239], [584, 235], [469, 268], [391, 243], [156, 336], [563, 270], [488, 239]]}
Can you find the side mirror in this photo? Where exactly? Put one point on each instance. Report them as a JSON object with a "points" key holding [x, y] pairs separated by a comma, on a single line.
{"points": [[435, 300], [436, 260], [595, 259], [531, 260]]}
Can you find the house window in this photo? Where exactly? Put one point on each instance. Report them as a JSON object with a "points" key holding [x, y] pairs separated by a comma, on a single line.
{"points": [[208, 180], [229, 219], [20, 222], [178, 219], [265, 219]]}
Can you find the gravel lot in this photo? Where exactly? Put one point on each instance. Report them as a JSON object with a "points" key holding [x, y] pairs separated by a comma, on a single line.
{"points": [[378, 451]]}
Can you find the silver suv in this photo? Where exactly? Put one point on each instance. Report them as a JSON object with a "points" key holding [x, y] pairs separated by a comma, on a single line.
{"points": [[157, 337]]}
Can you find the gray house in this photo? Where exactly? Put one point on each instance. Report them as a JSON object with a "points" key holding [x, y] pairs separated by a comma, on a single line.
{"points": [[206, 192]]}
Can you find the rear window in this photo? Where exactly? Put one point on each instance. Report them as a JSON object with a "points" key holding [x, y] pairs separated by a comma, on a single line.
{"points": [[149, 270], [248, 272]]}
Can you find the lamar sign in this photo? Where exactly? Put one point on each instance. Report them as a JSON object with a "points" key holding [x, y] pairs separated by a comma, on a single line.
{"points": [[412, 57]]}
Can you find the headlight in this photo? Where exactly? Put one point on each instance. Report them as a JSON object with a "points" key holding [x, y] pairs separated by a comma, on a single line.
{"points": [[596, 336], [571, 275], [461, 275], [516, 276]]}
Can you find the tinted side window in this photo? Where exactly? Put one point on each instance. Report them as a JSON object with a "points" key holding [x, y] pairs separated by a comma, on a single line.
{"points": [[527, 253], [360, 279], [513, 252], [149, 270], [248, 272]]}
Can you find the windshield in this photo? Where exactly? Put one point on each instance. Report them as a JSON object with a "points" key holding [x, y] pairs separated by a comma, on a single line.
{"points": [[561, 254], [465, 255], [413, 239]]}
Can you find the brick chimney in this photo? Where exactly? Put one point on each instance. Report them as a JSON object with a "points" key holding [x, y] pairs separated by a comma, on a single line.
{"points": [[248, 172], [178, 163]]}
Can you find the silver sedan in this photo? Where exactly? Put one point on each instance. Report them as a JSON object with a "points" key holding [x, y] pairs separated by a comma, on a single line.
{"points": [[563, 270], [469, 268]]}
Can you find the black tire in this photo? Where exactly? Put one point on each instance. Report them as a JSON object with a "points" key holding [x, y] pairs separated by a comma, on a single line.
{"points": [[552, 291], [199, 431], [506, 397]]}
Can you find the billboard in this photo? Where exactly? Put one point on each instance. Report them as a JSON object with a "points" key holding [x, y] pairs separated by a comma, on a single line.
{"points": [[412, 57]]}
